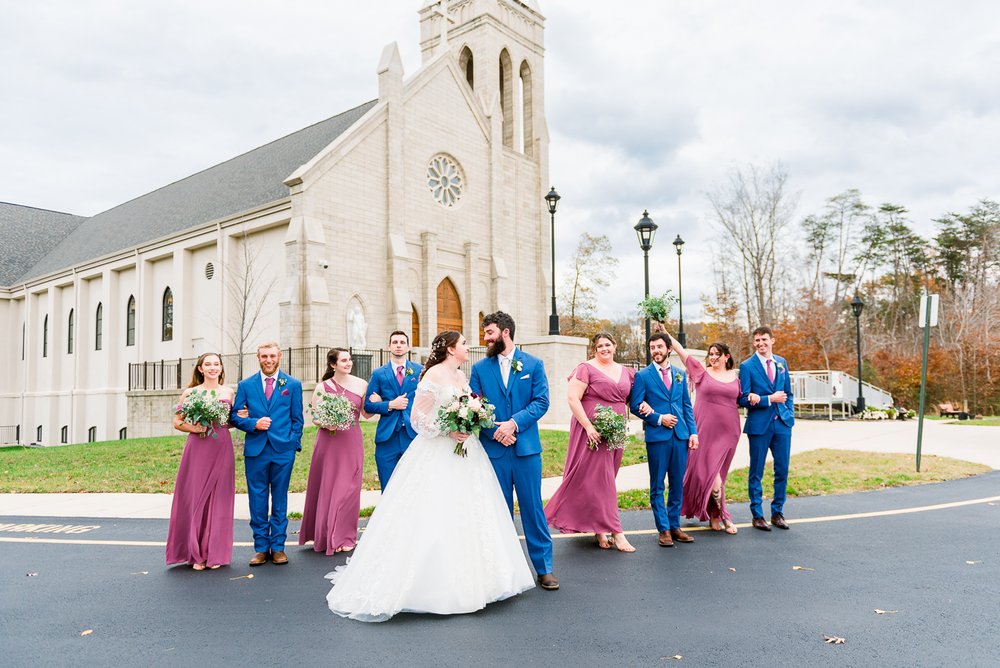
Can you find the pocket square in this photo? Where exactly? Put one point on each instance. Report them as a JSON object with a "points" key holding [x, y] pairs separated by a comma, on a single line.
{"points": [[527, 375], [285, 393]]}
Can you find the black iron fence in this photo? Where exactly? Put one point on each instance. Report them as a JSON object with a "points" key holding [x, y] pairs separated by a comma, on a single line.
{"points": [[10, 434], [306, 364]]}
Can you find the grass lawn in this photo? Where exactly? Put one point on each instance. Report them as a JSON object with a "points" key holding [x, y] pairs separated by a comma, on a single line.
{"points": [[821, 472], [992, 421]]}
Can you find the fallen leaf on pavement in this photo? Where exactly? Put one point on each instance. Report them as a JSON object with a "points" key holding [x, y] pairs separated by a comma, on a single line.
{"points": [[87, 632], [973, 563], [885, 612], [675, 657], [140, 573], [733, 570], [833, 640], [802, 568], [248, 576], [32, 574]]}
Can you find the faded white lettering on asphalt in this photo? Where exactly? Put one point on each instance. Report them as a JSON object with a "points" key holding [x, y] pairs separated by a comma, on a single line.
{"points": [[49, 528]]}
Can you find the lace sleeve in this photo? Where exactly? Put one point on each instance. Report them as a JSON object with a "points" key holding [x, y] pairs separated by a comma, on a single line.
{"points": [[423, 415]]}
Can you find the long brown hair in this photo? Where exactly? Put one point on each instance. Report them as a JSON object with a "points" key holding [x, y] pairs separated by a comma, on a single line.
{"points": [[724, 350], [439, 348], [331, 361], [197, 378]]}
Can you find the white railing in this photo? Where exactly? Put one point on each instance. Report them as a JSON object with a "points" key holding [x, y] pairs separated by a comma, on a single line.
{"points": [[818, 390]]}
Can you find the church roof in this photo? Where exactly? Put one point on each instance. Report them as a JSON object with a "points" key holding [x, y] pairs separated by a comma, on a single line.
{"points": [[240, 184], [28, 234]]}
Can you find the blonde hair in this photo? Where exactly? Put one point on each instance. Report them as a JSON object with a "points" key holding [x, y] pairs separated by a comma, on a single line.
{"points": [[269, 344]]}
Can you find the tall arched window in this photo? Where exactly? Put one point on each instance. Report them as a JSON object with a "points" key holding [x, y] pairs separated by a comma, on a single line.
{"points": [[130, 322], [168, 315], [99, 327], [45, 337], [528, 136], [449, 307], [507, 98], [482, 332], [414, 326], [465, 64], [69, 334]]}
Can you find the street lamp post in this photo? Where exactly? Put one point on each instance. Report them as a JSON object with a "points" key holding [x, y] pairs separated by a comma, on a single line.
{"points": [[645, 229], [552, 199], [857, 306], [679, 245]]}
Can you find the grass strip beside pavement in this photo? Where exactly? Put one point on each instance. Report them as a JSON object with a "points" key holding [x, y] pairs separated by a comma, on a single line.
{"points": [[991, 421], [823, 472]]}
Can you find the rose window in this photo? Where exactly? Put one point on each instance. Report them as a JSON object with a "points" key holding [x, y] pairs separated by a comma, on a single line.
{"points": [[445, 180]]}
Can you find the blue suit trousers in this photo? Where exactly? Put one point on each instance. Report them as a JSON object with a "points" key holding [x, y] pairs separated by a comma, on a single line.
{"points": [[523, 475], [777, 439], [667, 460], [268, 474], [388, 453]]}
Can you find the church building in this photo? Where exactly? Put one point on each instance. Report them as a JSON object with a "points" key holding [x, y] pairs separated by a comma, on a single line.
{"points": [[419, 210]]}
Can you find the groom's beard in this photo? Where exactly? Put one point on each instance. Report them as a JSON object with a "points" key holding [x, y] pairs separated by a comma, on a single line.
{"points": [[496, 348]]}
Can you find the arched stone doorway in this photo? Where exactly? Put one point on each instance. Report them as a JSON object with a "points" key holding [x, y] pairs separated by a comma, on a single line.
{"points": [[449, 307]]}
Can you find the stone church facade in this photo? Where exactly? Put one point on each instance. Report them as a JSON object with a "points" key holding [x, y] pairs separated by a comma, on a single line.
{"points": [[419, 211]]}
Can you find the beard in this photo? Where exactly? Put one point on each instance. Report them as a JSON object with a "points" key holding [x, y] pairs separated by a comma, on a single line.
{"points": [[495, 348]]}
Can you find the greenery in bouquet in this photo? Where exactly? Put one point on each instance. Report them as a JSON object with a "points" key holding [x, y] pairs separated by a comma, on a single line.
{"points": [[205, 408], [657, 308], [466, 413], [334, 412], [612, 427]]}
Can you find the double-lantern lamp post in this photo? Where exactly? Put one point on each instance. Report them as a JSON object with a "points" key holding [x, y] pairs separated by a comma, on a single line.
{"points": [[857, 306], [679, 245], [645, 229], [552, 199]]}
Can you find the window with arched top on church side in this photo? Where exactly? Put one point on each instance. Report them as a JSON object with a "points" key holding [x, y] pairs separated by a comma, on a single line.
{"points": [[99, 327], [449, 307], [482, 330], [528, 137], [507, 98], [45, 337], [167, 333], [465, 63], [414, 326], [130, 322], [70, 327]]}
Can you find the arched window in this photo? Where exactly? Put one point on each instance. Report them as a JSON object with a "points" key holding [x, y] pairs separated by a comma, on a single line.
{"points": [[507, 98], [64, 434], [414, 326], [528, 137], [38, 434], [482, 330], [168, 315], [45, 337], [91, 434], [69, 334], [99, 327], [130, 322], [465, 64], [24, 330], [449, 307]]}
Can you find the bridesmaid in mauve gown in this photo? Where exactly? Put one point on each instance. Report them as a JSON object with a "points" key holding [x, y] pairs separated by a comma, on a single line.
{"points": [[718, 420], [587, 499], [201, 515], [333, 491]]}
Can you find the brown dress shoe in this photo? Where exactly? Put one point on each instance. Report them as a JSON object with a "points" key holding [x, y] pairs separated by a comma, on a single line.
{"points": [[279, 558], [778, 520], [760, 523], [548, 581], [680, 536], [665, 540], [258, 559]]}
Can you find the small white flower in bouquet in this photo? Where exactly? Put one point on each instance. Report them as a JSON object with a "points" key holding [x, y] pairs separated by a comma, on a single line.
{"points": [[612, 427], [334, 412], [468, 412], [205, 408]]}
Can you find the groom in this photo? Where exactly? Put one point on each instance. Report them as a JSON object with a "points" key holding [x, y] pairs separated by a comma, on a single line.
{"points": [[515, 383], [273, 429]]}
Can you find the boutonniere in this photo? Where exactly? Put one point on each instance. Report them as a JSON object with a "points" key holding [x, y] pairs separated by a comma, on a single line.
{"points": [[780, 367], [678, 377], [281, 382], [409, 371], [516, 366]]}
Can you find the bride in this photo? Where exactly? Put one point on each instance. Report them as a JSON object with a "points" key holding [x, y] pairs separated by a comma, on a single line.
{"points": [[441, 539]]}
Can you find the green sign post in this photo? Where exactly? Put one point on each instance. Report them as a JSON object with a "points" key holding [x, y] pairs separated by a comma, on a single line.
{"points": [[926, 319]]}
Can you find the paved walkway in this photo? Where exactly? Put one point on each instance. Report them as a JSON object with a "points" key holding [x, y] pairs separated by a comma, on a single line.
{"points": [[971, 443]]}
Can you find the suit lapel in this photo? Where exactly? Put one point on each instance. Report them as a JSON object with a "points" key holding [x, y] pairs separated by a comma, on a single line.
{"points": [[495, 364], [258, 387]]}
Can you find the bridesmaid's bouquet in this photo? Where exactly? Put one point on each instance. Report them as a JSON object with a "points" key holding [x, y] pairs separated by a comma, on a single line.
{"points": [[612, 427], [466, 412], [657, 308], [334, 412], [205, 408]]}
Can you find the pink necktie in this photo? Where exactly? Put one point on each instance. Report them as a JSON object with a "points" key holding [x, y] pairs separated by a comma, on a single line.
{"points": [[666, 377], [268, 388], [770, 371], [399, 375]]}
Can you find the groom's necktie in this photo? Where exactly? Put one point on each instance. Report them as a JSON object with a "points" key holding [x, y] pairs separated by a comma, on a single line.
{"points": [[770, 370], [505, 369], [399, 375], [268, 388], [666, 377]]}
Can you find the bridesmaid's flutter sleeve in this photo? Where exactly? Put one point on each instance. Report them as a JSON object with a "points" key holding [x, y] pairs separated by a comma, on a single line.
{"points": [[581, 373], [695, 369]]}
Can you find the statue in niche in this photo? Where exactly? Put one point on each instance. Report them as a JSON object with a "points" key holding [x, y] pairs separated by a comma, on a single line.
{"points": [[357, 328]]}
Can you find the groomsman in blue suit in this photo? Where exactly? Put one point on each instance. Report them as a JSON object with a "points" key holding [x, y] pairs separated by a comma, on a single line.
{"points": [[273, 426], [668, 423], [392, 387], [515, 383], [766, 393]]}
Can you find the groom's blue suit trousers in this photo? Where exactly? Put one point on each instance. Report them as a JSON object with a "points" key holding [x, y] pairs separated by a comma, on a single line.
{"points": [[268, 474], [523, 475]]}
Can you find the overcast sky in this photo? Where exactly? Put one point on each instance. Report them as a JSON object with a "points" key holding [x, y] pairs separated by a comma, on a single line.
{"points": [[649, 103]]}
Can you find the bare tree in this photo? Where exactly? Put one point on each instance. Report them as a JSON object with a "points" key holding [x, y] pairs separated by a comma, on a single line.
{"points": [[593, 270], [830, 239], [752, 211], [248, 288]]}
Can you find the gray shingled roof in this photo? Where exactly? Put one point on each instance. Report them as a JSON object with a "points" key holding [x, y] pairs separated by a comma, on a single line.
{"points": [[245, 182], [27, 234]]}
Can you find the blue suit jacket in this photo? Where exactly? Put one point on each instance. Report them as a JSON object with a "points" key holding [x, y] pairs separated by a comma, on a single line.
{"points": [[753, 378], [384, 383], [649, 387], [525, 400], [284, 409]]}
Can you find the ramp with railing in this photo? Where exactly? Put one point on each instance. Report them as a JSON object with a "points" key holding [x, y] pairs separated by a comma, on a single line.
{"points": [[826, 392]]}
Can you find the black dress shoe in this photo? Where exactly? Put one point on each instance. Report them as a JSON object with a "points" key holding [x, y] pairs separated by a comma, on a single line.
{"points": [[548, 581], [778, 520], [760, 523]]}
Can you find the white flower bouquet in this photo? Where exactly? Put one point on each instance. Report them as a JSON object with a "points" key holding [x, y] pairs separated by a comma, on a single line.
{"points": [[334, 412], [465, 413], [205, 408], [612, 427]]}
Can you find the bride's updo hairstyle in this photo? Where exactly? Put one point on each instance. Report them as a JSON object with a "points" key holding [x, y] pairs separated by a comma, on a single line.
{"points": [[439, 348]]}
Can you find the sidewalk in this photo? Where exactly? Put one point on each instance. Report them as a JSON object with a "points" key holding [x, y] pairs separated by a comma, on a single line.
{"points": [[971, 443]]}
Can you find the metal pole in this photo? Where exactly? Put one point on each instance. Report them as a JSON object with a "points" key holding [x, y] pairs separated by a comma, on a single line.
{"points": [[680, 304], [645, 260], [861, 393], [554, 318], [923, 377]]}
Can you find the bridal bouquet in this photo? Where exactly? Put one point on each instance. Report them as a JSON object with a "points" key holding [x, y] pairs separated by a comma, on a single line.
{"points": [[612, 427], [466, 412], [334, 411], [205, 408]]}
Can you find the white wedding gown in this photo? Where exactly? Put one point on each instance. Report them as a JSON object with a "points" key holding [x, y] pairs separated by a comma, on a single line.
{"points": [[441, 539]]}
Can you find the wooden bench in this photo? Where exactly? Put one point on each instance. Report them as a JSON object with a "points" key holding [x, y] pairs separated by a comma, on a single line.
{"points": [[947, 410]]}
